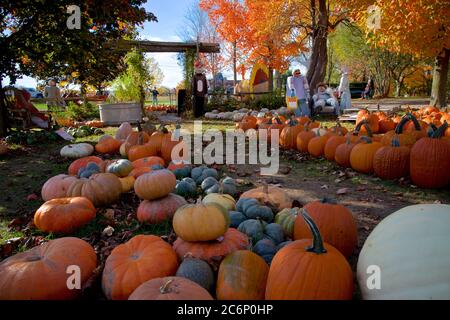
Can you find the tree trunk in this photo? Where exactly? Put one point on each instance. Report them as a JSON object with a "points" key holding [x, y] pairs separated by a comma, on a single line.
{"points": [[142, 100], [440, 74], [319, 55], [234, 64], [270, 79], [3, 112]]}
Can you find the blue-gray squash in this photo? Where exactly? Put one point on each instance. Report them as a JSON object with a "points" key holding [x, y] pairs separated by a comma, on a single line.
{"points": [[198, 271], [253, 229], [252, 209], [236, 218], [283, 244], [274, 232], [209, 183], [186, 188], [266, 249]]}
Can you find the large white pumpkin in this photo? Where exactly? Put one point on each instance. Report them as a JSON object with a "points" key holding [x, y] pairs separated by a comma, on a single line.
{"points": [[411, 248], [78, 150]]}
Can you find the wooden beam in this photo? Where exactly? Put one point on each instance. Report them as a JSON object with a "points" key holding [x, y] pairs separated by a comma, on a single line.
{"points": [[159, 46]]}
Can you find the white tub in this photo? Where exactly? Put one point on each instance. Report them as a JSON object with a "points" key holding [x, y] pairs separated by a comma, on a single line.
{"points": [[116, 113]]}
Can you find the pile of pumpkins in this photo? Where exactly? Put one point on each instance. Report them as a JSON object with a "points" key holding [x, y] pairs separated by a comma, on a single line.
{"points": [[415, 145]]}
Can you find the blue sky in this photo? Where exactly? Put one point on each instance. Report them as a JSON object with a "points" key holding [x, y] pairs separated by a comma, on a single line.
{"points": [[170, 15]]}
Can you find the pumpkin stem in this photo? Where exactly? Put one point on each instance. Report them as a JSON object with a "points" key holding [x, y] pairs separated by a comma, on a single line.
{"points": [[440, 131], [395, 141], [366, 139], [165, 288], [317, 245]]}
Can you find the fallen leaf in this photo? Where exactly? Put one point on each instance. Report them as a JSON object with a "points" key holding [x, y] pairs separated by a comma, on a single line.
{"points": [[32, 197], [324, 186], [342, 191], [108, 231]]}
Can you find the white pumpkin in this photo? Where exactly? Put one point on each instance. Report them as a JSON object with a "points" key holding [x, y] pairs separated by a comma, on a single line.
{"points": [[224, 200], [77, 150], [411, 248]]}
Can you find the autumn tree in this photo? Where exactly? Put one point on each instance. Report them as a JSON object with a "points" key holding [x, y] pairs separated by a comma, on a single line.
{"points": [[417, 27], [35, 39]]}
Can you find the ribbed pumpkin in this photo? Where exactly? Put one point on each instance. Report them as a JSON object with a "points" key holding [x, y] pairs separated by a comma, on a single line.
{"points": [[212, 251], [372, 120], [64, 215], [56, 187], [108, 144], [101, 188], [137, 172], [288, 136], [300, 271], [200, 222], [155, 184], [392, 162], [156, 139], [286, 219], [361, 156], [170, 288], [337, 130], [343, 151], [198, 271], [120, 167], [335, 222], [127, 183], [242, 276], [331, 146], [82, 162], [159, 210], [224, 200], [41, 273], [142, 258], [430, 160], [303, 139], [135, 138], [275, 128]]}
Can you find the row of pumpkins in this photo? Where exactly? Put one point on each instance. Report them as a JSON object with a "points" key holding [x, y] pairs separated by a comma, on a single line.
{"points": [[416, 145]]}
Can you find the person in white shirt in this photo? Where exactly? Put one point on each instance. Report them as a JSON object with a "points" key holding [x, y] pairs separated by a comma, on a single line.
{"points": [[53, 95], [298, 86], [344, 91]]}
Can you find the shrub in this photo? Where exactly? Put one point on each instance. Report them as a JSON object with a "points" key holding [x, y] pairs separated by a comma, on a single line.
{"points": [[86, 111], [269, 101]]}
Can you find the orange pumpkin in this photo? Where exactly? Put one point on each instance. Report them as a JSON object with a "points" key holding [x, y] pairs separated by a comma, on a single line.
{"points": [[155, 184], [82, 162], [148, 162], [303, 139], [41, 273], [156, 139], [343, 151], [335, 222], [331, 146], [134, 139], [316, 145], [300, 271], [137, 172], [288, 136], [167, 146], [392, 162], [361, 156], [430, 160], [108, 144], [141, 151], [64, 215], [242, 276], [170, 288], [142, 258], [275, 128], [405, 138]]}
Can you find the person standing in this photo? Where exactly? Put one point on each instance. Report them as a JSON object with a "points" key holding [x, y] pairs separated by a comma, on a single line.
{"points": [[155, 94], [298, 86], [344, 92], [53, 96], [199, 90]]}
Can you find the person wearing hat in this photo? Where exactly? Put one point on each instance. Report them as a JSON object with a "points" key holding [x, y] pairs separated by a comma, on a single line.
{"points": [[53, 95], [344, 91], [323, 98], [297, 86], [199, 89]]}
